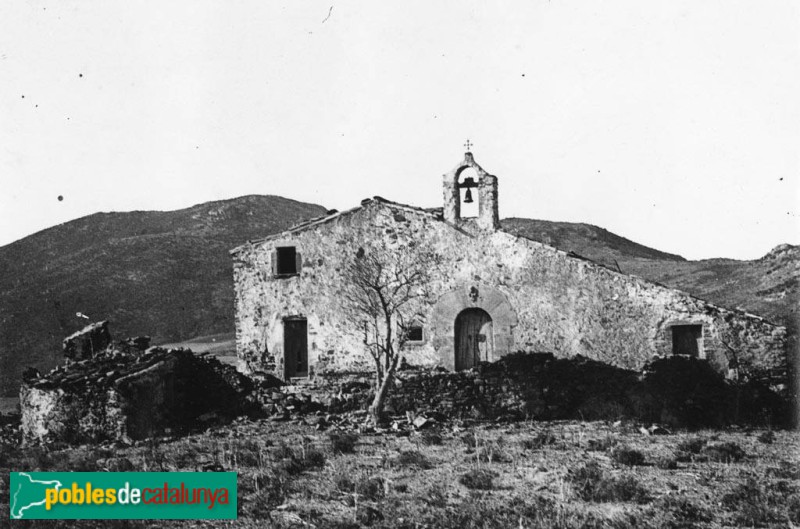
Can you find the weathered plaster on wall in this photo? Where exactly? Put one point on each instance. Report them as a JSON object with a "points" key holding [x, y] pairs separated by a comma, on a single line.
{"points": [[551, 301]]}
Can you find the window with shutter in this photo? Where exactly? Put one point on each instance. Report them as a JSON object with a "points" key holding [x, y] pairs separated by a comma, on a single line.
{"points": [[285, 261]]}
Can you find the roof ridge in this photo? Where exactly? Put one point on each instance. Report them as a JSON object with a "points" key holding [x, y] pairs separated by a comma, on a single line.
{"points": [[316, 221]]}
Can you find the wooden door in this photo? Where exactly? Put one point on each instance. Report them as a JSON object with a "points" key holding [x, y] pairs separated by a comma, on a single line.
{"points": [[474, 339], [295, 347]]}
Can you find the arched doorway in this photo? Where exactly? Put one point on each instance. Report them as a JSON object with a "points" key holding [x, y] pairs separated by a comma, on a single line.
{"points": [[474, 338]]}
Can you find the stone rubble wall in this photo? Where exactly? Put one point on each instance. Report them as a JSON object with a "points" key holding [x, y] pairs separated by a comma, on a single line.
{"points": [[562, 304], [127, 396], [87, 342], [676, 391]]}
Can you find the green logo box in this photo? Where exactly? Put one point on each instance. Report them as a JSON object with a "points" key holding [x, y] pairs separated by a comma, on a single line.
{"points": [[123, 495]]}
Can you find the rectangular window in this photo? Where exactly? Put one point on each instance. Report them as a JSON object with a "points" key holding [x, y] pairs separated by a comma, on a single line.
{"points": [[414, 333], [687, 340], [286, 261]]}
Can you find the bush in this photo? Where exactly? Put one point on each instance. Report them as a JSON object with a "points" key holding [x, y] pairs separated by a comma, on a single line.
{"points": [[785, 470], [491, 451], [767, 437], [470, 439], [431, 438], [271, 488], [373, 488], [244, 453], [793, 508], [603, 444], [677, 512], [683, 392], [627, 456], [411, 458], [693, 445], [541, 439], [436, 496], [478, 479], [295, 461], [724, 452], [368, 515], [667, 463], [342, 442], [750, 504], [342, 483], [592, 484]]}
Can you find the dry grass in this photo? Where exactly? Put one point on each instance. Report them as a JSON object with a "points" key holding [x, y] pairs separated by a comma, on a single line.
{"points": [[519, 475]]}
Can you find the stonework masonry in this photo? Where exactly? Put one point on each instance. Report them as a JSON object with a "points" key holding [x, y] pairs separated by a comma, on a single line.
{"points": [[537, 298]]}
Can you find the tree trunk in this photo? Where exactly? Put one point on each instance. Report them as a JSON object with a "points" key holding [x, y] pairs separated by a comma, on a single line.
{"points": [[376, 408]]}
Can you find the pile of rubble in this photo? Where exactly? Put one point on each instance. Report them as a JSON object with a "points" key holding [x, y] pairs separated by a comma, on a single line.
{"points": [[126, 391]]}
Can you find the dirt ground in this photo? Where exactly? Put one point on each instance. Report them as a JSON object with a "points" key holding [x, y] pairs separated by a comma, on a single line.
{"points": [[527, 474]]}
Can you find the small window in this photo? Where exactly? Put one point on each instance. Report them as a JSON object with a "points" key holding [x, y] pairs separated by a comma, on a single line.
{"points": [[414, 333], [286, 261], [687, 340]]}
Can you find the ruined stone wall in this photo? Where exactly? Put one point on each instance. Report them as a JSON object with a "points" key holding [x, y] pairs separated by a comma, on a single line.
{"points": [[539, 298], [127, 396]]}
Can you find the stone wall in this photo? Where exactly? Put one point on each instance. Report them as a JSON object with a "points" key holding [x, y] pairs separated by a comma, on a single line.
{"points": [[128, 396], [539, 298], [677, 391]]}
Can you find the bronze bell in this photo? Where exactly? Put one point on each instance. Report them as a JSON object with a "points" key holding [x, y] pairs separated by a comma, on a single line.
{"points": [[468, 196]]}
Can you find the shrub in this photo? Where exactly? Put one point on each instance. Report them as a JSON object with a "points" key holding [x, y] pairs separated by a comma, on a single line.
{"points": [[372, 488], [541, 439], [295, 461], [271, 491], [627, 456], [677, 512], [693, 445], [436, 495], [431, 438], [602, 444], [793, 508], [491, 452], [411, 458], [342, 483], [785, 470], [667, 463], [724, 452], [767, 437], [342, 442], [592, 484], [478, 479], [684, 392], [750, 504], [368, 515], [469, 439]]}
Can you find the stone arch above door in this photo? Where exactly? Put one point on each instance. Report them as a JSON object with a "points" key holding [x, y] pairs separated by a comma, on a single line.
{"points": [[474, 295]]}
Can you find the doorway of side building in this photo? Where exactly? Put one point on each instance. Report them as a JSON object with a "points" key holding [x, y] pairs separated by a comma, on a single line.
{"points": [[295, 347], [474, 340]]}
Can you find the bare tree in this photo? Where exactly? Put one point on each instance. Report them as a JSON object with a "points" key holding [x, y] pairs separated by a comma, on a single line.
{"points": [[385, 289]]}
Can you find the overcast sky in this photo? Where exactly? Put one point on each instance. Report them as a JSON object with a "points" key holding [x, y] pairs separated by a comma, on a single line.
{"points": [[675, 123]]}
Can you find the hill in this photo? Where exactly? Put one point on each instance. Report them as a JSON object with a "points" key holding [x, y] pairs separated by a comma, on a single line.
{"points": [[164, 274], [168, 274]]}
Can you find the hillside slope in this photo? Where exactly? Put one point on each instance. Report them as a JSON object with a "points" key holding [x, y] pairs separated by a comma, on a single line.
{"points": [[165, 274]]}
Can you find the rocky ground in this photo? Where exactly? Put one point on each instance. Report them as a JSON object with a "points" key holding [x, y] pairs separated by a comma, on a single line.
{"points": [[319, 471]]}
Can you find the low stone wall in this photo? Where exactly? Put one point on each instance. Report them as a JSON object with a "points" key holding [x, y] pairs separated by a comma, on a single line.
{"points": [[678, 391], [520, 386]]}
